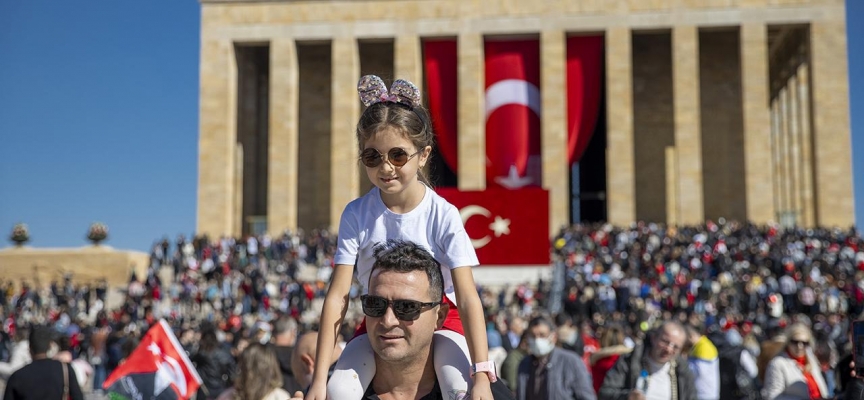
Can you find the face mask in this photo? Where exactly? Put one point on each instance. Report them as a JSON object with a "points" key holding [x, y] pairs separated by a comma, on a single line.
{"points": [[571, 338], [540, 347]]}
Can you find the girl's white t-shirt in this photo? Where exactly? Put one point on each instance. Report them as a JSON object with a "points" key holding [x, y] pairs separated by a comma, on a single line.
{"points": [[434, 224]]}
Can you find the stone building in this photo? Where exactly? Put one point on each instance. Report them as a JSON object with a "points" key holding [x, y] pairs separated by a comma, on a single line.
{"points": [[709, 108]]}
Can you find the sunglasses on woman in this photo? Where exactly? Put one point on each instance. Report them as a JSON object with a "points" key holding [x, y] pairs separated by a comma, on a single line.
{"points": [[405, 310], [396, 156]]}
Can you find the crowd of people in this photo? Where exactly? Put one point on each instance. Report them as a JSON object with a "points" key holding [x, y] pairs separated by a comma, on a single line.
{"points": [[721, 310]]}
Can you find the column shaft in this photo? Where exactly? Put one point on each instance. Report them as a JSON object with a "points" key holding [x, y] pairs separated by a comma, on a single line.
{"points": [[472, 125], [344, 173], [672, 210], [831, 131], [408, 63], [284, 137], [553, 86], [794, 147], [688, 135], [217, 211], [621, 180], [757, 123], [803, 87]]}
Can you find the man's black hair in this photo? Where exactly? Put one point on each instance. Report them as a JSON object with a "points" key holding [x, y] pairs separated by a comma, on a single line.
{"points": [[404, 256], [40, 339]]}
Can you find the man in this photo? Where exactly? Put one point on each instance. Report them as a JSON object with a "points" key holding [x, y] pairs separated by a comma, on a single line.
{"points": [[284, 339], [704, 363], [652, 370], [44, 378], [20, 354], [551, 373], [404, 271], [303, 358]]}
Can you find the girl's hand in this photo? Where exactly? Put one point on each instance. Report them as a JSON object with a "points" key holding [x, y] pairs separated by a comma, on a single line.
{"points": [[297, 396], [482, 389], [318, 391]]}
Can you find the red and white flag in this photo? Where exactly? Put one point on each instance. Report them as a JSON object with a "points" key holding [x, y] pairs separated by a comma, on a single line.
{"points": [[157, 369], [506, 227]]}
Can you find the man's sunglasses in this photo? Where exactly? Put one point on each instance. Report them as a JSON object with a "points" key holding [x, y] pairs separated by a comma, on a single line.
{"points": [[397, 156], [405, 310]]}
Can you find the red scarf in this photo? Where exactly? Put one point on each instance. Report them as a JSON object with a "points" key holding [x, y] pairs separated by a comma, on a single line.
{"points": [[812, 386]]}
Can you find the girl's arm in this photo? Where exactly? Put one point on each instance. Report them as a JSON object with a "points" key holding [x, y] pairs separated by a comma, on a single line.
{"points": [[473, 320], [332, 315]]}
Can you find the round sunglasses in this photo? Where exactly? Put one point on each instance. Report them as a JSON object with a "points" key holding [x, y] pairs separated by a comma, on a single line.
{"points": [[396, 156], [405, 310]]}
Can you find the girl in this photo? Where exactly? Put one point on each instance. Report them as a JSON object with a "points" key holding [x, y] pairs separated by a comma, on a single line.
{"points": [[396, 138]]}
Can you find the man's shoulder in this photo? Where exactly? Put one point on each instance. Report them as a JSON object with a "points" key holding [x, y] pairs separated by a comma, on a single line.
{"points": [[500, 391]]}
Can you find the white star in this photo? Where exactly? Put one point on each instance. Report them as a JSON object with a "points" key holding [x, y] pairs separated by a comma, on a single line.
{"points": [[513, 180], [154, 348], [501, 226]]}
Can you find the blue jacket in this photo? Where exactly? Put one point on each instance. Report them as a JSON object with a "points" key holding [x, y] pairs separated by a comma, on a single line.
{"points": [[567, 378]]}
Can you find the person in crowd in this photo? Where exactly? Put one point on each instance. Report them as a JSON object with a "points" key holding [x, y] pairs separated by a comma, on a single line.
{"points": [[703, 360], [653, 370], [550, 372], [510, 366], [83, 369], [611, 348], [19, 355], [303, 358], [794, 374], [215, 365], [395, 138], [284, 339], [258, 376], [403, 309], [44, 378]]}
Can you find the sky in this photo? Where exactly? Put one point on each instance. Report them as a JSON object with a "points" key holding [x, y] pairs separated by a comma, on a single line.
{"points": [[99, 118]]}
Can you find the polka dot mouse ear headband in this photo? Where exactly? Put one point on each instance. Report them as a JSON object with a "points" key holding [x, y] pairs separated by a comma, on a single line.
{"points": [[372, 90]]}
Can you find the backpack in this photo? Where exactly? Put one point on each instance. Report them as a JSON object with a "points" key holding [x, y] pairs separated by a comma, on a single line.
{"points": [[735, 382]]}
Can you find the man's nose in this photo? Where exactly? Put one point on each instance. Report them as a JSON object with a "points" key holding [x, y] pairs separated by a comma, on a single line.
{"points": [[389, 318]]}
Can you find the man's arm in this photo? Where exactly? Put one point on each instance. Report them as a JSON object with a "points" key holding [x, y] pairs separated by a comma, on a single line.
{"points": [[581, 385], [613, 385]]}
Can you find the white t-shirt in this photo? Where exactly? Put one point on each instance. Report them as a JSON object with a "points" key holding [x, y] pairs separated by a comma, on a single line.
{"points": [[434, 224]]}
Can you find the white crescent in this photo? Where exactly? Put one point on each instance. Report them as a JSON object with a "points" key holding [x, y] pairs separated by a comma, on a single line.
{"points": [[469, 211], [512, 91]]}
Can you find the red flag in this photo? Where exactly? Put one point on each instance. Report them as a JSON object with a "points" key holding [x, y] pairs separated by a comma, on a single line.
{"points": [[158, 368], [506, 227], [512, 113], [441, 73], [584, 82]]}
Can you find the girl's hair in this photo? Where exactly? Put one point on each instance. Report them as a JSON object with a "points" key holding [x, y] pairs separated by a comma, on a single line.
{"points": [[413, 122], [613, 336], [258, 373]]}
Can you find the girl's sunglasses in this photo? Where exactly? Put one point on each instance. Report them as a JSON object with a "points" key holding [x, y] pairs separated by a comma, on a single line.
{"points": [[405, 310], [397, 156]]}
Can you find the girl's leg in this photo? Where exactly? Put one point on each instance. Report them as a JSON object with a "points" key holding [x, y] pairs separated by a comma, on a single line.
{"points": [[452, 364], [354, 370]]}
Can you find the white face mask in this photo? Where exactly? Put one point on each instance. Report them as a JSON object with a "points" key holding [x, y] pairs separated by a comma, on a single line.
{"points": [[540, 347]]}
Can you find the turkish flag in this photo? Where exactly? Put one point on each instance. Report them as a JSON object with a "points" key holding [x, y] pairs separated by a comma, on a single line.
{"points": [[512, 113], [157, 369], [506, 227]]}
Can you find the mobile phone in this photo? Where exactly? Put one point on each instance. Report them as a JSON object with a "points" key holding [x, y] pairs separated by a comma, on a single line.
{"points": [[858, 347]]}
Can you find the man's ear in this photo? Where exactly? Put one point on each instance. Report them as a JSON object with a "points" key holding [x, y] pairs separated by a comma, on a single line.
{"points": [[443, 309], [308, 362]]}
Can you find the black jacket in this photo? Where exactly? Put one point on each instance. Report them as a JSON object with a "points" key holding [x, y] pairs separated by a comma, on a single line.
{"points": [[42, 379]]}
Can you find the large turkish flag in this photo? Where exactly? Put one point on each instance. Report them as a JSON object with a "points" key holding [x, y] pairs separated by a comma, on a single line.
{"points": [[506, 227]]}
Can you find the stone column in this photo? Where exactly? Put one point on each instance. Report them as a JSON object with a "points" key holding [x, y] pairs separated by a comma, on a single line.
{"points": [[803, 87], [783, 148], [688, 135], [775, 159], [831, 132], [344, 173], [794, 147], [553, 89], [472, 123], [217, 212], [282, 175], [621, 179], [408, 63], [757, 124], [672, 210]]}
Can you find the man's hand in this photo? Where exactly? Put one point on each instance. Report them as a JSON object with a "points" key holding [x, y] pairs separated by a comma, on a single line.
{"points": [[636, 395], [482, 389]]}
